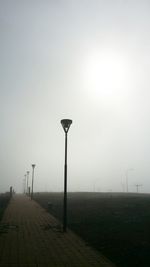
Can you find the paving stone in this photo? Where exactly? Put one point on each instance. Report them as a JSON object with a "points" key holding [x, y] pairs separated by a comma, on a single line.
{"points": [[31, 237]]}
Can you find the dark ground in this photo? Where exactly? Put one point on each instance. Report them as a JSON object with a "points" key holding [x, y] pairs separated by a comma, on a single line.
{"points": [[118, 225]]}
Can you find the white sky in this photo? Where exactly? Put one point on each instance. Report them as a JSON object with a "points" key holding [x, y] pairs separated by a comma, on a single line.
{"points": [[85, 60]]}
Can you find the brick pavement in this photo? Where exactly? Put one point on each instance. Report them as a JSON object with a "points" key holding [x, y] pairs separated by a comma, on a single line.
{"points": [[31, 237]]}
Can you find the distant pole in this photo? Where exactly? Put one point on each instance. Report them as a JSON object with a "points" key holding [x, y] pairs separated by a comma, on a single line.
{"points": [[127, 186], [24, 185], [27, 181], [137, 187], [25, 177], [66, 125], [11, 191], [33, 166]]}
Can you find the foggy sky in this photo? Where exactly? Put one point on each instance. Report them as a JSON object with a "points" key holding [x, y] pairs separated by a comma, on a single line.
{"points": [[84, 60]]}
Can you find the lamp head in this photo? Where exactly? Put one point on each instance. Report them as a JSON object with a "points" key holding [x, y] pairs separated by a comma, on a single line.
{"points": [[66, 124], [33, 166], [28, 172]]}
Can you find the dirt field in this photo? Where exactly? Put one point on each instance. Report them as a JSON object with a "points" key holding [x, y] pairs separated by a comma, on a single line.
{"points": [[118, 225]]}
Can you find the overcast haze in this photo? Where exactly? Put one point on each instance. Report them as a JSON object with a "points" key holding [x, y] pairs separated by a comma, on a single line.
{"points": [[84, 60]]}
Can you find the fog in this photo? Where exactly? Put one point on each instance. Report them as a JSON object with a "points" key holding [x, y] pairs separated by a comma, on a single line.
{"points": [[84, 60]]}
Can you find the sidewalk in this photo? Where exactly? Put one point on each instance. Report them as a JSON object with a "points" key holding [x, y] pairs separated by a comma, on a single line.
{"points": [[30, 237]]}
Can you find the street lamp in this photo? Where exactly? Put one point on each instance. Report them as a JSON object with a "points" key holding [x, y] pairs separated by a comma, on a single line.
{"points": [[33, 166], [66, 125], [25, 177], [28, 182], [127, 187], [24, 184]]}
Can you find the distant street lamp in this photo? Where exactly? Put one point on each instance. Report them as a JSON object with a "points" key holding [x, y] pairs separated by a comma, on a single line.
{"points": [[28, 182], [127, 171], [25, 178], [24, 184], [33, 166], [66, 125]]}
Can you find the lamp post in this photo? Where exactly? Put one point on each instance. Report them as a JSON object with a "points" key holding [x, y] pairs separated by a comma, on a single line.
{"points": [[33, 166], [24, 184], [28, 182], [66, 125], [127, 187], [25, 178]]}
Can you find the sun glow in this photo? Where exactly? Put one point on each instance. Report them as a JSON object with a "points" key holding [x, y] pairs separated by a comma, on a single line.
{"points": [[105, 73]]}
